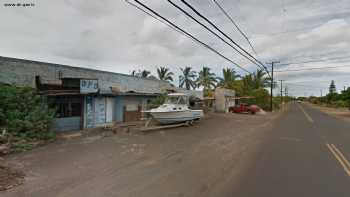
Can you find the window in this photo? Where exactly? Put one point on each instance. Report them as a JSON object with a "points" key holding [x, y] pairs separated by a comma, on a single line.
{"points": [[66, 106]]}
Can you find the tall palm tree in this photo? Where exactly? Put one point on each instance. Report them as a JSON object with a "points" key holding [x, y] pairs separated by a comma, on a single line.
{"points": [[133, 73], [164, 74], [259, 79], [206, 79], [141, 73], [187, 78], [145, 73], [229, 78]]}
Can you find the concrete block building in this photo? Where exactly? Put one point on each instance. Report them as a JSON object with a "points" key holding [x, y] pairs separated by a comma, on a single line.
{"points": [[224, 99], [84, 98]]}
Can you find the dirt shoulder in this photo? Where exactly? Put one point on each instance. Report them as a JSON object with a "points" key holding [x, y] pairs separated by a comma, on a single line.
{"points": [[202, 160], [341, 113]]}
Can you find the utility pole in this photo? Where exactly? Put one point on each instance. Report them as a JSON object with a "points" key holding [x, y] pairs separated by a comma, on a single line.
{"points": [[321, 92], [286, 91], [281, 91], [271, 96]]}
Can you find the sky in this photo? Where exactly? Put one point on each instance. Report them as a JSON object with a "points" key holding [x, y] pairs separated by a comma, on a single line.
{"points": [[114, 36]]}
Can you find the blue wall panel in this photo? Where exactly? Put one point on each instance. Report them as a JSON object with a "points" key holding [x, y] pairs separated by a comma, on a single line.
{"points": [[119, 108]]}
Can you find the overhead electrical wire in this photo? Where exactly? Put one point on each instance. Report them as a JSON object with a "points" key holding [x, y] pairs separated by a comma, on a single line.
{"points": [[218, 29], [211, 31], [236, 25], [190, 35], [313, 68], [320, 60], [149, 14]]}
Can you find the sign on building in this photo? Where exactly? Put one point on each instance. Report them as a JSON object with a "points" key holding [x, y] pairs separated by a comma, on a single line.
{"points": [[88, 85]]}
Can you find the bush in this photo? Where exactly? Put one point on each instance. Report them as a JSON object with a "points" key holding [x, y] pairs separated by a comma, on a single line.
{"points": [[24, 114], [340, 104], [261, 98], [158, 101]]}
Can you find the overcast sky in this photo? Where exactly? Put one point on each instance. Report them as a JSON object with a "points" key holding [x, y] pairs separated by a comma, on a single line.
{"points": [[114, 36]]}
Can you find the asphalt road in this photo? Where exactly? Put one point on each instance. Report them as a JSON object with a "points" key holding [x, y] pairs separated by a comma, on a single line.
{"points": [[308, 154]]}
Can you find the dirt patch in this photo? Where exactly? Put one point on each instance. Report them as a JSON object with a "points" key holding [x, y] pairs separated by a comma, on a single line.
{"points": [[10, 177]]}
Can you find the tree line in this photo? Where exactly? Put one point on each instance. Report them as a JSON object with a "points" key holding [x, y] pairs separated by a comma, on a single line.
{"points": [[333, 98], [190, 79], [248, 85]]}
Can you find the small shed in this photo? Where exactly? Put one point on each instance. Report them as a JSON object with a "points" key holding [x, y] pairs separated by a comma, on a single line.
{"points": [[224, 99]]}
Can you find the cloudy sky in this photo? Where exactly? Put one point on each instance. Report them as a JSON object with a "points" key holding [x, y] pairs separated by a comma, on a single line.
{"points": [[114, 36]]}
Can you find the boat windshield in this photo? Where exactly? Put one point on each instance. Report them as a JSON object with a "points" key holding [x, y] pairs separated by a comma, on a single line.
{"points": [[176, 100]]}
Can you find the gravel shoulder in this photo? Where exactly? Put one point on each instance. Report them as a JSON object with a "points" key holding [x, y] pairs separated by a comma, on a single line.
{"points": [[206, 159], [341, 113]]}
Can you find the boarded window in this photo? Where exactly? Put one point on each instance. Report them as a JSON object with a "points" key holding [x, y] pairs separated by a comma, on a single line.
{"points": [[66, 106]]}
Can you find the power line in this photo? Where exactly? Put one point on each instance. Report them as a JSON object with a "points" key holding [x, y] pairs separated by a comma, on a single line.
{"points": [[307, 86], [218, 29], [211, 31], [321, 60], [314, 68], [149, 14], [191, 36], [236, 25]]}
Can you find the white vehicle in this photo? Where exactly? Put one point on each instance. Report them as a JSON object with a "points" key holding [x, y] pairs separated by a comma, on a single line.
{"points": [[175, 110]]}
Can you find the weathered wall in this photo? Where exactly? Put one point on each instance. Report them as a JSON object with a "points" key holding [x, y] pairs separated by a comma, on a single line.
{"points": [[23, 72], [222, 96], [66, 124]]}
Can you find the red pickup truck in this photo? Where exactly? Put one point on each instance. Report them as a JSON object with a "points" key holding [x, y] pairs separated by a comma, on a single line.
{"points": [[244, 108]]}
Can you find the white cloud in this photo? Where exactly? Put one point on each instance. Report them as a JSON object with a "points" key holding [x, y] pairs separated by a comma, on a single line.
{"points": [[111, 35]]}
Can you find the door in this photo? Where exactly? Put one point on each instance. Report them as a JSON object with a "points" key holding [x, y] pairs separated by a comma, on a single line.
{"points": [[109, 109]]}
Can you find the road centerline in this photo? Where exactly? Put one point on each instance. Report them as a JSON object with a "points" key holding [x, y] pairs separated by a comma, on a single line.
{"points": [[308, 117], [340, 157]]}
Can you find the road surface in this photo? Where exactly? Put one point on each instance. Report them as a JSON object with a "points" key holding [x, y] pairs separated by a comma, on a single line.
{"points": [[308, 155], [301, 152]]}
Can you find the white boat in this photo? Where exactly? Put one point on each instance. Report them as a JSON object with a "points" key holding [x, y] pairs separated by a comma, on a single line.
{"points": [[175, 110]]}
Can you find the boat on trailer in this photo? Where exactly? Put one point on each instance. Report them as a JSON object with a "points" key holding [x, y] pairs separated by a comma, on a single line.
{"points": [[175, 110]]}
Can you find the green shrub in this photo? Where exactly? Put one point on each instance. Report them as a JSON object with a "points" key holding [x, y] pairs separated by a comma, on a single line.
{"points": [[261, 98], [340, 104], [157, 101], [24, 114]]}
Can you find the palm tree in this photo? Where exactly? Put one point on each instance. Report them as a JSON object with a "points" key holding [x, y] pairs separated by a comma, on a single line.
{"points": [[164, 74], [206, 79], [141, 73], [133, 73], [259, 79], [187, 78], [145, 73], [229, 78]]}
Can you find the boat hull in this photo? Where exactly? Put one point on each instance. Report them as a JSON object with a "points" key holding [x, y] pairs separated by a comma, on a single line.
{"points": [[177, 116]]}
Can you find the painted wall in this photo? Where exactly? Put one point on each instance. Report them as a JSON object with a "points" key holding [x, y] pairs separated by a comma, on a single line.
{"points": [[223, 99], [121, 101], [119, 108], [66, 124]]}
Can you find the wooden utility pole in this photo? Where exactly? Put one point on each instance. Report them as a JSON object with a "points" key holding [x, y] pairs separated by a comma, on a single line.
{"points": [[271, 88], [281, 91]]}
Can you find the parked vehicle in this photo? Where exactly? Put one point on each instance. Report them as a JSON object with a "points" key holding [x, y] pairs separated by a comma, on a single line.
{"points": [[175, 110], [244, 108]]}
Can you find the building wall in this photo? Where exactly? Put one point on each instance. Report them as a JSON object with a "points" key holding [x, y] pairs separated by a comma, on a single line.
{"points": [[223, 99], [119, 108], [122, 102], [66, 124], [22, 73]]}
